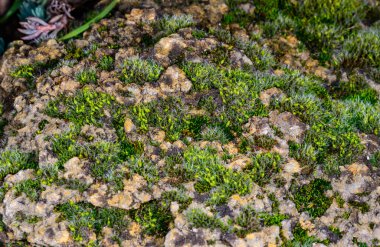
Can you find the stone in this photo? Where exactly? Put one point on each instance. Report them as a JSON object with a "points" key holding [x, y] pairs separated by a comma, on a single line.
{"points": [[129, 126], [292, 128], [168, 49], [174, 80], [270, 94]]}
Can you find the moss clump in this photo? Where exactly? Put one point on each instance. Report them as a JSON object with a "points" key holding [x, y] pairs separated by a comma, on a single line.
{"points": [[375, 159], [87, 76], [205, 167], [198, 218], [12, 161], [154, 217], [238, 91], [85, 107], [170, 115], [140, 71], [105, 157], [143, 167], [361, 50], [311, 197], [263, 167], [31, 188], [106, 63], [84, 217], [301, 238], [171, 24]]}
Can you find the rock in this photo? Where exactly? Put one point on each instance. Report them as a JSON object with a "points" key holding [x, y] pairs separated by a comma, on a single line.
{"points": [[129, 126], [239, 164], [168, 49], [239, 60], [74, 170], [264, 238], [270, 94], [141, 15], [292, 128], [258, 126], [174, 80]]}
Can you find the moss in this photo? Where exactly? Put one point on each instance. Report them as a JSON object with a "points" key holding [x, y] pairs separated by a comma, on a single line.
{"points": [[145, 168], [106, 63], [12, 161], [171, 24], [361, 49], [362, 206], [85, 107], [301, 238], [264, 141], [154, 217], [31, 188], [263, 167], [140, 71], [205, 167], [87, 76], [199, 33], [24, 71], [105, 158], [375, 159], [311, 197], [84, 216], [198, 219]]}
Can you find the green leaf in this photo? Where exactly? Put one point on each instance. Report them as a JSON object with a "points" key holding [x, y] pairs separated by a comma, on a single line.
{"points": [[87, 25], [15, 6]]}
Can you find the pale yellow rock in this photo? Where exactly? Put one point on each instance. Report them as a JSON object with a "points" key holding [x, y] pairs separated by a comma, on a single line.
{"points": [[128, 125]]}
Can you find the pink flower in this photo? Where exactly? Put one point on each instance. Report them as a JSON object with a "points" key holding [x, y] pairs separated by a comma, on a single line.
{"points": [[37, 29]]}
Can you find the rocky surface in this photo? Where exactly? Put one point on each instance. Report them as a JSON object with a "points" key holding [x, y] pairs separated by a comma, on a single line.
{"points": [[160, 127]]}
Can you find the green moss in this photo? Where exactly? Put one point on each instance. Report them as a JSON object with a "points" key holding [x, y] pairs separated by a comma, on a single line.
{"points": [[215, 133], [140, 71], [87, 76], [362, 206], [171, 24], [264, 141], [105, 157], [12, 161], [199, 33], [198, 219], [31, 188], [106, 63], [205, 167], [301, 238], [84, 216], [154, 217], [263, 167], [24, 71], [145, 168], [311, 198], [375, 159], [85, 107]]}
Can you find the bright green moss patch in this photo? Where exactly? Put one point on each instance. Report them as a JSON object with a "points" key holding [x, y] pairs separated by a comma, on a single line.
{"points": [[85, 107], [263, 167], [12, 161], [205, 167], [87, 76], [311, 197], [139, 71], [170, 115], [84, 217], [238, 91]]}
